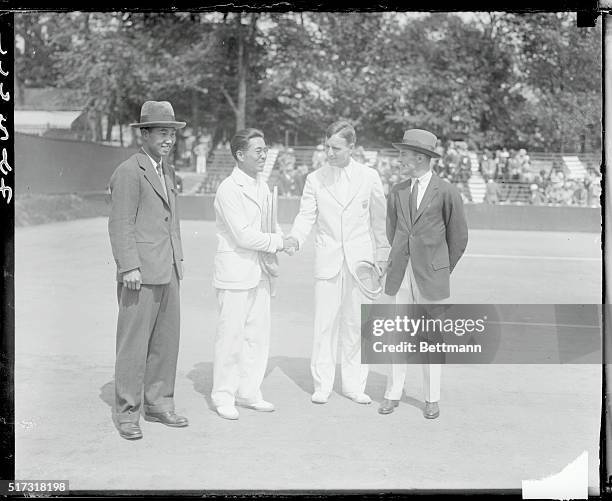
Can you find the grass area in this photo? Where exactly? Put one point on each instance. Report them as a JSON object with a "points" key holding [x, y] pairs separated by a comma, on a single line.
{"points": [[40, 209]]}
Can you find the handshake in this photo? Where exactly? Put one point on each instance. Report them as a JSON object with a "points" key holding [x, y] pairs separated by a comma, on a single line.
{"points": [[290, 245]]}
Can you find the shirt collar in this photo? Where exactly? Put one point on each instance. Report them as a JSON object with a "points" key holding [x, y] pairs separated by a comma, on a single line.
{"points": [[243, 178], [155, 164], [424, 179], [348, 170]]}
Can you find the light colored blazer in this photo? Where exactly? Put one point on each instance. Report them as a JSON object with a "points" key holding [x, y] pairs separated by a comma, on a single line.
{"points": [[351, 231], [144, 224], [238, 212]]}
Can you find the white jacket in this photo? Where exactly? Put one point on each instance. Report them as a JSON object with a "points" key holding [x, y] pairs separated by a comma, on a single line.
{"points": [[238, 211], [352, 231]]}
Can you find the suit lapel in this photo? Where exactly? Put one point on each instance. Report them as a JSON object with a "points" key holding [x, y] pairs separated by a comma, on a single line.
{"points": [[430, 193], [355, 184], [169, 186], [328, 183], [150, 175], [404, 201], [245, 192]]}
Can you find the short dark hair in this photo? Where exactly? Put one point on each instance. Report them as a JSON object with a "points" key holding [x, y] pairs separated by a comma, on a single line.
{"points": [[241, 139], [344, 129]]}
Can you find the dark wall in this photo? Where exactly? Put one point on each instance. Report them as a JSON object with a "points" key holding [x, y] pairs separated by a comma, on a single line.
{"points": [[479, 216], [45, 165]]}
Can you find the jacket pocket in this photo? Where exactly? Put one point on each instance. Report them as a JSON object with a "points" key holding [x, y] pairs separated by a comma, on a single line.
{"points": [[440, 263]]}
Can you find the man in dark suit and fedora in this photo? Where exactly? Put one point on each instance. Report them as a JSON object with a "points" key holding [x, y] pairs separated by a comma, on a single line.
{"points": [[428, 233], [146, 242]]}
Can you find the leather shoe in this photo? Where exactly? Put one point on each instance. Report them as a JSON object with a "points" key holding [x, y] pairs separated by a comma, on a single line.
{"points": [[261, 406], [318, 397], [360, 398], [169, 418], [129, 431], [431, 411], [228, 412], [388, 406]]}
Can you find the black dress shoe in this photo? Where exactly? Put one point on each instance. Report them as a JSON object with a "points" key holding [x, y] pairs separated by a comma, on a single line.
{"points": [[388, 406], [129, 431], [431, 411], [169, 418]]}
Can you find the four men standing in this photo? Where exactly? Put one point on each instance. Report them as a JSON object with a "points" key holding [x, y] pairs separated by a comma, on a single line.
{"points": [[343, 201]]}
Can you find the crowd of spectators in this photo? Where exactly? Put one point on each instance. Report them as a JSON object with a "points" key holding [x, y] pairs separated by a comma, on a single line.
{"points": [[508, 175]]}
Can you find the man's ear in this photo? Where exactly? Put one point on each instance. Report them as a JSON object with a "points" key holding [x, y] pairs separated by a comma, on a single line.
{"points": [[240, 155]]}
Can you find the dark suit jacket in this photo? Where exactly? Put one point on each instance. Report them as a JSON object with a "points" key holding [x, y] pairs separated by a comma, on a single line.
{"points": [[434, 244], [144, 225]]}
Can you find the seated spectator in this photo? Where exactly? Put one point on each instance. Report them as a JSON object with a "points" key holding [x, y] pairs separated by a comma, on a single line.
{"points": [[557, 177], [537, 196], [299, 179], [318, 157], [580, 193], [487, 165], [359, 155], [492, 192]]}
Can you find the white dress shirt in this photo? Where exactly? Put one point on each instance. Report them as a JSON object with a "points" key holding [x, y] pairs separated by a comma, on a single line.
{"points": [[423, 184], [342, 180], [161, 177]]}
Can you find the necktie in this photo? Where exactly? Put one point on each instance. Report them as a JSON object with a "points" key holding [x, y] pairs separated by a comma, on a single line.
{"points": [[160, 173], [414, 193]]}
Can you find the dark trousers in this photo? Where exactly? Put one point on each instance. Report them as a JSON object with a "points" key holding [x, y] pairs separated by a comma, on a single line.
{"points": [[147, 349]]}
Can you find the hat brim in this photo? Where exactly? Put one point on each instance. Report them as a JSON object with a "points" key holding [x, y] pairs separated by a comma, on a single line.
{"points": [[425, 151], [175, 125]]}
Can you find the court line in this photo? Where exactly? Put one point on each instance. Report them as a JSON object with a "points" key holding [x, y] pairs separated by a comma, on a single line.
{"points": [[549, 258]]}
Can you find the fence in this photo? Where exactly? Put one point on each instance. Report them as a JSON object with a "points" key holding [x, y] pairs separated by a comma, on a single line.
{"points": [[53, 166]]}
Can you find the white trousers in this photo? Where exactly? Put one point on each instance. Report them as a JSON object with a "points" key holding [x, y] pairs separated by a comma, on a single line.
{"points": [[396, 377], [338, 316], [242, 344]]}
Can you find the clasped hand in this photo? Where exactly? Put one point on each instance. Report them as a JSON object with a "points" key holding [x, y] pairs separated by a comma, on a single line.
{"points": [[290, 245]]}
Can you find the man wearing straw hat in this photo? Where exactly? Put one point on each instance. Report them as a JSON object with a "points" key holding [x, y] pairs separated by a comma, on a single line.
{"points": [[428, 233], [146, 243], [245, 268]]}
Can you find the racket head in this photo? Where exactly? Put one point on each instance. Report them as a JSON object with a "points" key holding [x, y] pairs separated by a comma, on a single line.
{"points": [[369, 279]]}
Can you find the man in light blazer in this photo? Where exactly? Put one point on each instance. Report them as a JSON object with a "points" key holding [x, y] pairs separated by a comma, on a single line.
{"points": [[428, 233], [146, 243], [345, 202], [242, 286]]}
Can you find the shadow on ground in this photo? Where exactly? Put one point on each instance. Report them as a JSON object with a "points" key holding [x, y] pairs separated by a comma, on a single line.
{"points": [[298, 370]]}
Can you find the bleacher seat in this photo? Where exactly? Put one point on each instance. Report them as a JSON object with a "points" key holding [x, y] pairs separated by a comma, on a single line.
{"points": [[575, 168], [476, 182]]}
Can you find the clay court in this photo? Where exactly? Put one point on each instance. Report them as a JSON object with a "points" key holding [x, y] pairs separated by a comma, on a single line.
{"points": [[499, 424]]}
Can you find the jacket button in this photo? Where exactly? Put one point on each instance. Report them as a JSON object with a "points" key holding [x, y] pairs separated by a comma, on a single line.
{"points": [[166, 218]]}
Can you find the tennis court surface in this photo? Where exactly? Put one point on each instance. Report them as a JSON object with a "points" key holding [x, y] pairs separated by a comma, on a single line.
{"points": [[499, 424]]}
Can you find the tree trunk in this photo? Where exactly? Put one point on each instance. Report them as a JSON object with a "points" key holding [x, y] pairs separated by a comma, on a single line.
{"points": [[121, 135], [242, 86], [110, 121], [97, 126]]}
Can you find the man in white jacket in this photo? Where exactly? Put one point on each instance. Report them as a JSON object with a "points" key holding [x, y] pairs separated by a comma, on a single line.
{"points": [[243, 288], [345, 202]]}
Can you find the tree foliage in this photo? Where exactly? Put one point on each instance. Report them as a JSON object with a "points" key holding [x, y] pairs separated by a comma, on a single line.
{"points": [[490, 78]]}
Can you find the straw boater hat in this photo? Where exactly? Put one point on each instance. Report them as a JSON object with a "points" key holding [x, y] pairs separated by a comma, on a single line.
{"points": [[157, 114], [420, 141]]}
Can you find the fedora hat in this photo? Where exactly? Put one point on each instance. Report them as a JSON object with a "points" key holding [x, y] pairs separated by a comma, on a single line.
{"points": [[157, 114], [419, 140]]}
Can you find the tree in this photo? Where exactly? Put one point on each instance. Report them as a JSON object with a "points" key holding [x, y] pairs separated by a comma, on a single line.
{"points": [[561, 66]]}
